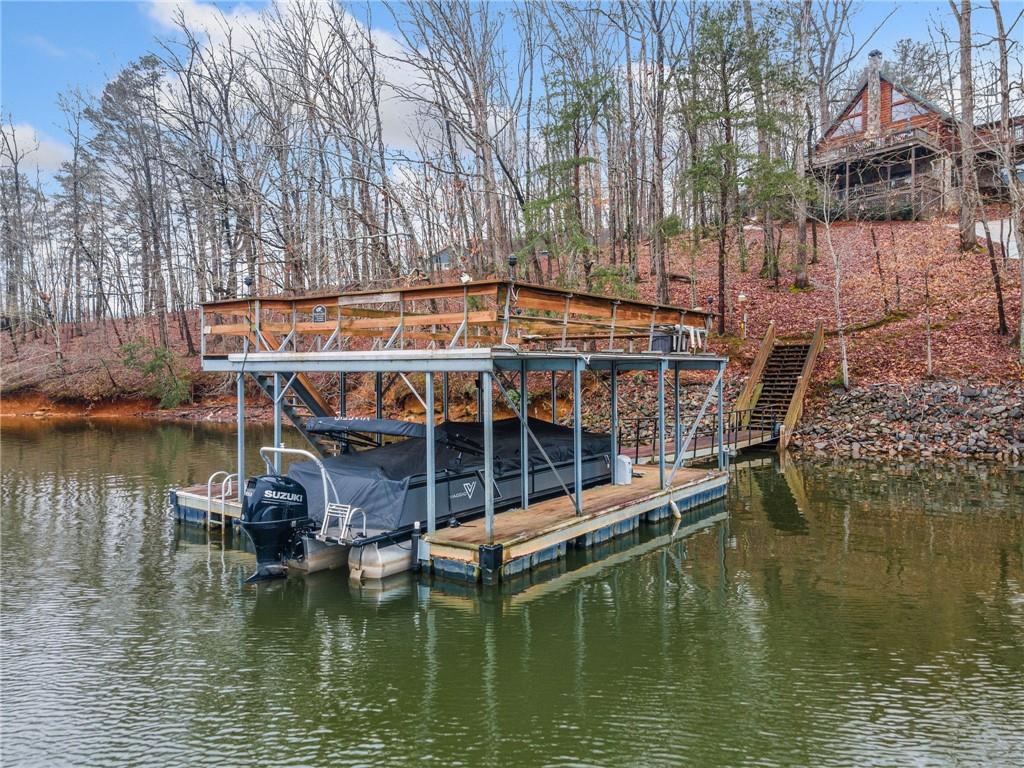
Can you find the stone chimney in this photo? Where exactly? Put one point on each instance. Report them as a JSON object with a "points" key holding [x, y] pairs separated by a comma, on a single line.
{"points": [[873, 123]]}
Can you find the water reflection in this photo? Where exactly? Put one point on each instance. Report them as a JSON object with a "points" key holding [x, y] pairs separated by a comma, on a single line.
{"points": [[822, 614]]}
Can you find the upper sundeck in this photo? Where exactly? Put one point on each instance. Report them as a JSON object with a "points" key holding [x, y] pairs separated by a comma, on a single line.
{"points": [[501, 314]]}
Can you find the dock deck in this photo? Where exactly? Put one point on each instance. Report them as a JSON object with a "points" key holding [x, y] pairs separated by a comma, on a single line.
{"points": [[525, 538], [192, 505]]}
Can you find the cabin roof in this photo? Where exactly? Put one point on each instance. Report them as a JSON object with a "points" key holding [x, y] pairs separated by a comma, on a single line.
{"points": [[909, 92]]}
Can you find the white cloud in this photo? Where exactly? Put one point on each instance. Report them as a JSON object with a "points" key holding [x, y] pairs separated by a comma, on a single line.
{"points": [[36, 149], [46, 46]]}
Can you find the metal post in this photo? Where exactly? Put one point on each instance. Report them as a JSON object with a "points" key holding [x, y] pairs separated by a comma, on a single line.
{"points": [[615, 415], [342, 395], [554, 400], [240, 409], [277, 421], [661, 423], [480, 397], [431, 479], [488, 418], [378, 397], [524, 439], [577, 438], [723, 456], [444, 396], [678, 410]]}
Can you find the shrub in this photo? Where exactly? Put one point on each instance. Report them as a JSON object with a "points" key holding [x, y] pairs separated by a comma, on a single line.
{"points": [[158, 365]]}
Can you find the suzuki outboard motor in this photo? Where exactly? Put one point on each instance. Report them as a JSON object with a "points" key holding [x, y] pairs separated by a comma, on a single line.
{"points": [[274, 512]]}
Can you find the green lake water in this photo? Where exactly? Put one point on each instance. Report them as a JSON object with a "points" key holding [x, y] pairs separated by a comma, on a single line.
{"points": [[824, 614]]}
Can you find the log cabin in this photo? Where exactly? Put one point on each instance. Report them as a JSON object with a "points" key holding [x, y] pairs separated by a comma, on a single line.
{"points": [[894, 154]]}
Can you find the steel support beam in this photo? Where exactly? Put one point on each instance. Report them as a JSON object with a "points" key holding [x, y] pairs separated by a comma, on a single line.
{"points": [[488, 419], [577, 439], [378, 399], [431, 453], [342, 394], [444, 396], [524, 439], [678, 408], [661, 424], [278, 396], [614, 416], [240, 429], [723, 454], [554, 400]]}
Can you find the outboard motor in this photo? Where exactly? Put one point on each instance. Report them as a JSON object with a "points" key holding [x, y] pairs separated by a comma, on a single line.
{"points": [[274, 512]]}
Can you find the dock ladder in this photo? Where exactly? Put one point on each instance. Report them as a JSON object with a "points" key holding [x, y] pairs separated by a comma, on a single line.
{"points": [[226, 486]]}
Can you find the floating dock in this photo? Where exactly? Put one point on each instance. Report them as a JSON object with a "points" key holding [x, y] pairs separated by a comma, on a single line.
{"points": [[527, 538]]}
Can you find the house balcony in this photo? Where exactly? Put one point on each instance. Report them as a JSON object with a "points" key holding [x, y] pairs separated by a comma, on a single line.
{"points": [[862, 148]]}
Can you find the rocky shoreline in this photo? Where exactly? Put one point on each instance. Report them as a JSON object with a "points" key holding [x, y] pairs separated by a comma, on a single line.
{"points": [[948, 419]]}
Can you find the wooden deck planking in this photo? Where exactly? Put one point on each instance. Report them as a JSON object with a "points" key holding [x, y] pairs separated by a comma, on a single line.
{"points": [[194, 497], [547, 517]]}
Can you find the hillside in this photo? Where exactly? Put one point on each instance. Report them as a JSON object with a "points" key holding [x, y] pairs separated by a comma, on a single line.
{"points": [[883, 348]]}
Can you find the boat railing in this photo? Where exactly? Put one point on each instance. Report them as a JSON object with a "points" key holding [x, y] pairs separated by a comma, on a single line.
{"points": [[324, 477], [344, 514]]}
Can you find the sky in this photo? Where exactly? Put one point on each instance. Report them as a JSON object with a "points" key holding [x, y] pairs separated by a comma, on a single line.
{"points": [[47, 48]]}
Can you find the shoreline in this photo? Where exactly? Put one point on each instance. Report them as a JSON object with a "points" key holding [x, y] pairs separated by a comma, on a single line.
{"points": [[928, 420]]}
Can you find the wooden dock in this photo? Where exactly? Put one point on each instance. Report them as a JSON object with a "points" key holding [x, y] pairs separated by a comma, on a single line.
{"points": [[191, 505], [526, 538]]}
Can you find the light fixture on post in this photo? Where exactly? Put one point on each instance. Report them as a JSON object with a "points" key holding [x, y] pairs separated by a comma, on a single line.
{"points": [[741, 299]]}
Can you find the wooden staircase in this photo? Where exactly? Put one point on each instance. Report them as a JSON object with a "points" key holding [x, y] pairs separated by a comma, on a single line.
{"points": [[774, 392]]}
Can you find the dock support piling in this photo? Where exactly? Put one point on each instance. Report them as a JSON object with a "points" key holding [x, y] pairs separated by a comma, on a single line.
{"points": [[378, 398], [662, 368], [277, 420], [342, 395], [240, 409], [577, 439], [444, 396], [614, 416], [678, 410], [488, 419], [524, 438], [723, 454], [431, 479], [554, 400]]}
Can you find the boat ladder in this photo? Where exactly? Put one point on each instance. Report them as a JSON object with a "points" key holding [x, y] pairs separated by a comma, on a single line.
{"points": [[343, 513], [226, 485]]}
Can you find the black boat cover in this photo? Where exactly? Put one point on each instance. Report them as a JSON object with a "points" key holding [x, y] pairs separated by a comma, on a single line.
{"points": [[329, 425], [378, 479]]}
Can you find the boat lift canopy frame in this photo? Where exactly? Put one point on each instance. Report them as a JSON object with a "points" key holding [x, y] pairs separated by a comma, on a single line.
{"points": [[488, 363]]}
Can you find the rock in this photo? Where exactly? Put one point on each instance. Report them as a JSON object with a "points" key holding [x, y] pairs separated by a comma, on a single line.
{"points": [[996, 410]]}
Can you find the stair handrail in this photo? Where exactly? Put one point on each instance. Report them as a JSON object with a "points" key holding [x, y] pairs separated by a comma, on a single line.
{"points": [[796, 402], [747, 400]]}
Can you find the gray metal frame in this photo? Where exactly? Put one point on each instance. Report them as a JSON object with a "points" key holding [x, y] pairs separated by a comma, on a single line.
{"points": [[486, 362]]}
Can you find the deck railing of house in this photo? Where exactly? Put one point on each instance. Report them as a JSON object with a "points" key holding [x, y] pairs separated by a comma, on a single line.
{"points": [[862, 145]]}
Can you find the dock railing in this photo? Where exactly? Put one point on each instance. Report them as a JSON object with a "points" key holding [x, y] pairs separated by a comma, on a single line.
{"points": [[636, 434]]}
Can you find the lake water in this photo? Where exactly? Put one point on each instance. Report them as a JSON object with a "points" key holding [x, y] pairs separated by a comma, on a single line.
{"points": [[846, 614]]}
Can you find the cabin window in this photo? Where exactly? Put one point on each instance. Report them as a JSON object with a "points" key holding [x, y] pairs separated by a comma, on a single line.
{"points": [[849, 125], [905, 108]]}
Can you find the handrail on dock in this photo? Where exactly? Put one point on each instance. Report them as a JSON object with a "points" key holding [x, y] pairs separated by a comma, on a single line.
{"points": [[225, 488]]}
